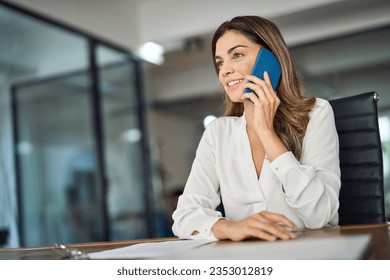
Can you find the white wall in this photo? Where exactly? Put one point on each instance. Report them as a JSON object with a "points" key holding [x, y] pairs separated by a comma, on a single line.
{"points": [[115, 21], [170, 20], [130, 23]]}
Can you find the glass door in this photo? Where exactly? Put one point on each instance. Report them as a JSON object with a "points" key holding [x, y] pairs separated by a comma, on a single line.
{"points": [[129, 195], [59, 191]]}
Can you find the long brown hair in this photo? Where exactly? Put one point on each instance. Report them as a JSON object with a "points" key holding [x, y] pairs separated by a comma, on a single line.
{"points": [[292, 116]]}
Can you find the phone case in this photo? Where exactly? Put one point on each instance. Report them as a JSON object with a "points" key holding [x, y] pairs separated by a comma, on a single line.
{"points": [[266, 61]]}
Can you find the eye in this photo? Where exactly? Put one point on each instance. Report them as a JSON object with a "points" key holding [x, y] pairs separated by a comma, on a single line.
{"points": [[218, 64], [237, 55]]}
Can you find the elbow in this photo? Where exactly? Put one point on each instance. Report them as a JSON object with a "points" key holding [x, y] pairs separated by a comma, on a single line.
{"points": [[322, 217], [317, 221], [179, 233], [182, 225], [177, 228], [315, 224]]}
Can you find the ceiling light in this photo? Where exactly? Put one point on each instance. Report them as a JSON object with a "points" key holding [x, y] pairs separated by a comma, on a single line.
{"points": [[152, 52]]}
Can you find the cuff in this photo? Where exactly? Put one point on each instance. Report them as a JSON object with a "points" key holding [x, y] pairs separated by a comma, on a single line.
{"points": [[205, 231], [283, 164]]}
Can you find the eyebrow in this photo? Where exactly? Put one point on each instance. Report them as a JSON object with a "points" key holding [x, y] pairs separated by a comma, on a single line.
{"points": [[231, 50]]}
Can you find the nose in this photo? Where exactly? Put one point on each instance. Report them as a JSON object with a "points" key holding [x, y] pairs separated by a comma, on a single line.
{"points": [[226, 69]]}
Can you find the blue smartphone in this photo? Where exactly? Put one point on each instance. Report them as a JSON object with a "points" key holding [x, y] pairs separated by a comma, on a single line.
{"points": [[266, 61]]}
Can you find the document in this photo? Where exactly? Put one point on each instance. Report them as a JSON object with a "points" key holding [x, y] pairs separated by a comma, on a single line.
{"points": [[345, 247], [149, 250]]}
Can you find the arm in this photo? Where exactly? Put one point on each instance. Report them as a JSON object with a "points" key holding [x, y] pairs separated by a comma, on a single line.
{"points": [[312, 186], [195, 214]]}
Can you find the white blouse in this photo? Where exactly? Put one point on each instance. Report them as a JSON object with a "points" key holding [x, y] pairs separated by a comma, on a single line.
{"points": [[223, 169]]}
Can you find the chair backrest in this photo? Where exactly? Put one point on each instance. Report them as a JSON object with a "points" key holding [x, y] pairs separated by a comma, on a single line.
{"points": [[361, 162]]}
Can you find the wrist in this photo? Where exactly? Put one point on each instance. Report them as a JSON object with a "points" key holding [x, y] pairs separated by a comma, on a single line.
{"points": [[265, 133], [221, 228]]}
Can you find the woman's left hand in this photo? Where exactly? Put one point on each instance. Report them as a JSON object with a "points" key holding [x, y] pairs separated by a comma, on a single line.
{"points": [[265, 103]]}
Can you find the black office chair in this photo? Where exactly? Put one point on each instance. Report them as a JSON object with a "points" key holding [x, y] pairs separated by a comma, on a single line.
{"points": [[361, 163]]}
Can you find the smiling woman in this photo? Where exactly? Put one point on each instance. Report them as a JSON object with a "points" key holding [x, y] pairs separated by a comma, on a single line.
{"points": [[272, 160]]}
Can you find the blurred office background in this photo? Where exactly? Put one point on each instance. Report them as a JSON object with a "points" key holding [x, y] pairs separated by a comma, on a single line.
{"points": [[97, 137]]}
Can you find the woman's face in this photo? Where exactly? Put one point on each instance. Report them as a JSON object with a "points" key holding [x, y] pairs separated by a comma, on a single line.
{"points": [[235, 56]]}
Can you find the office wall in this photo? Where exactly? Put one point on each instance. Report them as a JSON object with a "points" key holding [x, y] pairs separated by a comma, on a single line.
{"points": [[114, 21]]}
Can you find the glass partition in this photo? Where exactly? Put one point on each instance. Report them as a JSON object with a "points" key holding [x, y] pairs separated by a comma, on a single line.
{"points": [[128, 191], [58, 189], [73, 143]]}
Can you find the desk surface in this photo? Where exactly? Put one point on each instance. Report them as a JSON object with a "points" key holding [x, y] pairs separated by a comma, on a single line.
{"points": [[379, 247]]}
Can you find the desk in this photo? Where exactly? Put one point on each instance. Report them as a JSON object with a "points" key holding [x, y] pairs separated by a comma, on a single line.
{"points": [[378, 249]]}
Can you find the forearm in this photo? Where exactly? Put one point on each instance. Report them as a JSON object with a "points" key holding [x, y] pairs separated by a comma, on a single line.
{"points": [[312, 192], [272, 144], [315, 201]]}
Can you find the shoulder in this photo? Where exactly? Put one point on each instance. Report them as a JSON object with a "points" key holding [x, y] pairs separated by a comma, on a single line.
{"points": [[321, 104], [223, 123], [321, 116], [219, 131], [321, 108]]}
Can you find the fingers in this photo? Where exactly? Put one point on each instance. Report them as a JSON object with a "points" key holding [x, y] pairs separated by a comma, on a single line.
{"points": [[263, 88], [278, 219], [261, 234], [270, 232], [274, 224], [263, 225], [267, 80], [261, 85]]}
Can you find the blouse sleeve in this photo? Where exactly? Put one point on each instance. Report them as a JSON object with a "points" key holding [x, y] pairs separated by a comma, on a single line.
{"points": [[195, 207], [311, 186]]}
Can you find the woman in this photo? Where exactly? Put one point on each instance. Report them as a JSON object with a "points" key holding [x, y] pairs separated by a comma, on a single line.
{"points": [[272, 159]]}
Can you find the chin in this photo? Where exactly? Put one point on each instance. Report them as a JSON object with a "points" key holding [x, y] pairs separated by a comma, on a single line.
{"points": [[235, 98]]}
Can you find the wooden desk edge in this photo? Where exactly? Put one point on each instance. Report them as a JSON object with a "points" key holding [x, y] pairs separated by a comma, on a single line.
{"points": [[137, 241], [89, 247]]}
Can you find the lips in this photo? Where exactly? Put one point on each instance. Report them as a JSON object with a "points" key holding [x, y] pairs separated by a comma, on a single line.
{"points": [[234, 82]]}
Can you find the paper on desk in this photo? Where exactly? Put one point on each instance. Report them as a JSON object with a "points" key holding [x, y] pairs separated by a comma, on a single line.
{"points": [[149, 250], [344, 247]]}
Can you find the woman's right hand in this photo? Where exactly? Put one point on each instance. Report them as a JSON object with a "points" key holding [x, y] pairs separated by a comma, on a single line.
{"points": [[264, 225]]}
